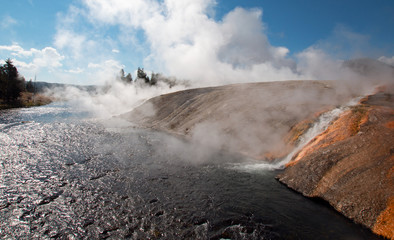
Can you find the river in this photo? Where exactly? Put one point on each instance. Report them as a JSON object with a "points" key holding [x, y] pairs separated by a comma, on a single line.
{"points": [[67, 175]]}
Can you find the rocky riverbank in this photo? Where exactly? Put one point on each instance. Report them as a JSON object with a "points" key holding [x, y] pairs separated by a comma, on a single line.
{"points": [[27, 99], [350, 165], [251, 119]]}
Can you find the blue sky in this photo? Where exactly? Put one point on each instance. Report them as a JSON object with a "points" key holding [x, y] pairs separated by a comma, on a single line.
{"points": [[301, 23], [87, 42]]}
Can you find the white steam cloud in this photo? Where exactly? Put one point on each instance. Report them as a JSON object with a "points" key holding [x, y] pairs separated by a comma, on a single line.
{"points": [[185, 42], [114, 98], [389, 61]]}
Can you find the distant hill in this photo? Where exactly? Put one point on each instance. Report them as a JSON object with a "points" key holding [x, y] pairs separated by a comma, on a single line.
{"points": [[369, 67], [42, 86], [248, 118]]}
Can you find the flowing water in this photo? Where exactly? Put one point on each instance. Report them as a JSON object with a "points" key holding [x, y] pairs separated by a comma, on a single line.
{"points": [[68, 176]]}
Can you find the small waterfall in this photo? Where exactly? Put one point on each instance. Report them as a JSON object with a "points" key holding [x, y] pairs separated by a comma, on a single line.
{"points": [[318, 127]]}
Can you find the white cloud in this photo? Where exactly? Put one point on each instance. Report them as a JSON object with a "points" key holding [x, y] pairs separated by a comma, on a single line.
{"points": [[76, 37], [68, 40], [24, 66], [316, 64], [185, 42], [104, 71], [387, 60], [86, 44], [17, 50], [94, 65], [131, 13], [108, 65], [180, 38], [343, 43], [76, 71], [31, 62], [7, 22], [47, 57]]}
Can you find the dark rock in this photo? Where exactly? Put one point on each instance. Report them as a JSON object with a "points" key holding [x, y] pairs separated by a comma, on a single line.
{"points": [[4, 205], [98, 176], [350, 165], [153, 200], [49, 199]]}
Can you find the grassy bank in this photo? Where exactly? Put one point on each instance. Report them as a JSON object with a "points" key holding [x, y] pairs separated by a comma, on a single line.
{"points": [[26, 99]]}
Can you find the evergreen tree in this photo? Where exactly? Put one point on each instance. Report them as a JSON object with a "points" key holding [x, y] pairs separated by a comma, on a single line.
{"points": [[11, 84], [155, 78], [126, 79], [3, 83], [129, 78], [121, 74], [141, 74], [30, 86]]}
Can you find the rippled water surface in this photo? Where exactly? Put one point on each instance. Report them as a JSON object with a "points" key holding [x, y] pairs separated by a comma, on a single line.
{"points": [[65, 175]]}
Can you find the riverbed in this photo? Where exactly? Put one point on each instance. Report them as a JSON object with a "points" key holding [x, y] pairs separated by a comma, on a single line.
{"points": [[66, 174]]}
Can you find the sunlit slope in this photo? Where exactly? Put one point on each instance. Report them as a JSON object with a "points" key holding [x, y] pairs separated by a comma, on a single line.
{"points": [[246, 118], [351, 164]]}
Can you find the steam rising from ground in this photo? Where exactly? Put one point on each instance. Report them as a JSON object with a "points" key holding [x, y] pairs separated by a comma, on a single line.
{"points": [[114, 98], [185, 41]]}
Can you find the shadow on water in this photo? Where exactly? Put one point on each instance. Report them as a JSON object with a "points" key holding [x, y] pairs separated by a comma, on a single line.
{"points": [[65, 176]]}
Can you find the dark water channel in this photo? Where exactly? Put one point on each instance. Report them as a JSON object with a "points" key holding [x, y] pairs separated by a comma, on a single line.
{"points": [[65, 175]]}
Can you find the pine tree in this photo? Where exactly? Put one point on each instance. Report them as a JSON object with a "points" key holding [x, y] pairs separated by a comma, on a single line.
{"points": [[129, 78], [30, 86], [11, 83], [142, 75], [154, 78]]}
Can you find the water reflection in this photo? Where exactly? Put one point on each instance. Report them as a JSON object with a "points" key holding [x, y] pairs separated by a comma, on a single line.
{"points": [[65, 175]]}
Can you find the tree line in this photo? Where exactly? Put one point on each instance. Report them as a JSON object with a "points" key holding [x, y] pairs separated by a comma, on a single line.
{"points": [[11, 82], [141, 76]]}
